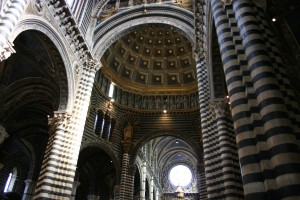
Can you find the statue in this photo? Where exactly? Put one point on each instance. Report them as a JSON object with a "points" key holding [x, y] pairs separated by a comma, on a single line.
{"points": [[128, 132]]}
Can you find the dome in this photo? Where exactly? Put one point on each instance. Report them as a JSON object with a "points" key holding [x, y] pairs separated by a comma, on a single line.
{"points": [[152, 57]]}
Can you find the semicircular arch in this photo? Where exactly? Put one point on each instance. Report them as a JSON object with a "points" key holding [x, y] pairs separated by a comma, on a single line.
{"points": [[67, 79], [109, 31], [102, 146], [166, 132]]}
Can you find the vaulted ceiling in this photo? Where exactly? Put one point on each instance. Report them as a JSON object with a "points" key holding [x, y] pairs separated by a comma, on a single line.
{"points": [[152, 57]]}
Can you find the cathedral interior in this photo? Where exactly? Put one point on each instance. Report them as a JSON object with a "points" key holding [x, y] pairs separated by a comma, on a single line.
{"points": [[150, 99]]}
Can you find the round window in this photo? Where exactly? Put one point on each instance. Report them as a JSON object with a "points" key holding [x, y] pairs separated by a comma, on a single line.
{"points": [[180, 175]]}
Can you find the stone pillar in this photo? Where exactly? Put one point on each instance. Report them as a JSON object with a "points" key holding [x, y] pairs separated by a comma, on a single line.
{"points": [[208, 129], [9, 20], [151, 188], [264, 111], [60, 160], [116, 192], [74, 189], [54, 162], [236, 74], [143, 181], [275, 108], [3, 134], [201, 181], [29, 189], [231, 179], [127, 174], [157, 195]]}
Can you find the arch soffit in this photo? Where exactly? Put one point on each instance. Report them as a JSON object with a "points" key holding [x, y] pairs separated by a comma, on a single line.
{"points": [[39, 24], [147, 137], [105, 148], [121, 24]]}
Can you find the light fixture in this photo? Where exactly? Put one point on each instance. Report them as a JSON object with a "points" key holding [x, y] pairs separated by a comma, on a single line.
{"points": [[164, 111], [273, 19]]}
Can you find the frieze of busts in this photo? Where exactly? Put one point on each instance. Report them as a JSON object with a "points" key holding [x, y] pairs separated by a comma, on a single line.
{"points": [[3, 134]]}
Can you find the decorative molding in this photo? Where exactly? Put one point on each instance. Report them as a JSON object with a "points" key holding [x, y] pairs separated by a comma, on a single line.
{"points": [[68, 25]]}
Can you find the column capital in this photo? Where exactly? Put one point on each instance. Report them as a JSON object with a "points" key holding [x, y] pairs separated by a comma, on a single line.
{"points": [[3, 134], [76, 184], [60, 118], [7, 51], [226, 2], [197, 54], [219, 108], [92, 64], [127, 146], [131, 169], [260, 3]]}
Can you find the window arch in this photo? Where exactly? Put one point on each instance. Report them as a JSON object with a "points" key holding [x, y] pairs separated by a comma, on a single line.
{"points": [[99, 123], [10, 182]]}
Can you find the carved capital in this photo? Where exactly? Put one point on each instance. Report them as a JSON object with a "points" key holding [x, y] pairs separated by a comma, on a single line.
{"points": [[219, 108], [197, 55], [3, 134], [117, 189], [92, 65], [127, 146], [131, 169], [60, 119], [6, 51], [226, 2], [260, 3]]}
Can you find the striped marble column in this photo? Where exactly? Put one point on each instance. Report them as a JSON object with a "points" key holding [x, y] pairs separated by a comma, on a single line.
{"points": [[8, 21], [231, 177], [278, 129], [127, 173], [207, 128], [201, 182], [60, 160], [55, 179], [251, 147]]}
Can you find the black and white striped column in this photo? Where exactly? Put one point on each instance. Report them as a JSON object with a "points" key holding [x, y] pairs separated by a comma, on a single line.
{"points": [[231, 177], [127, 173], [55, 179], [208, 129], [7, 23], [278, 129], [60, 160]]}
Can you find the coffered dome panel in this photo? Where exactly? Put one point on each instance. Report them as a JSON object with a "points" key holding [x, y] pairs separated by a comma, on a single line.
{"points": [[152, 57]]}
